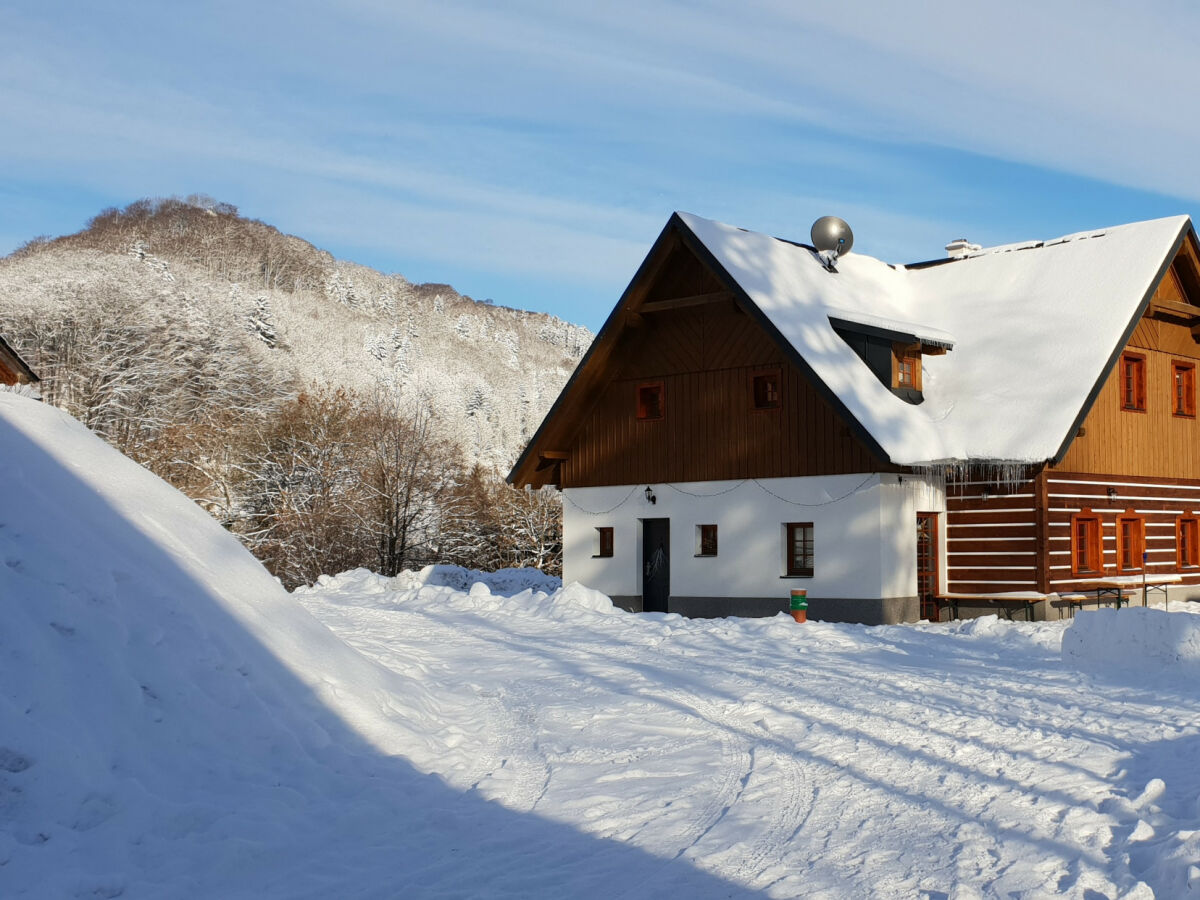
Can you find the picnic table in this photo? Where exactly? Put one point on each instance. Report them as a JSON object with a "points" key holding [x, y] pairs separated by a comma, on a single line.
{"points": [[1120, 588], [1007, 601]]}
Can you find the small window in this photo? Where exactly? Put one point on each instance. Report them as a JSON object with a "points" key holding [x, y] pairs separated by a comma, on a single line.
{"points": [[604, 546], [799, 548], [706, 540], [1184, 382], [1187, 532], [1131, 543], [650, 401], [1086, 553], [1133, 382], [766, 390], [906, 367]]}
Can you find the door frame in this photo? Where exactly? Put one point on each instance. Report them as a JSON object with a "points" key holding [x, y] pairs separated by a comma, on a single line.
{"points": [[929, 608]]}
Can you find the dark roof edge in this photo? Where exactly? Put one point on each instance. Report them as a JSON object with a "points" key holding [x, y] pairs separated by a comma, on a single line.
{"points": [[7, 350], [1185, 230], [698, 247], [609, 324], [890, 334]]}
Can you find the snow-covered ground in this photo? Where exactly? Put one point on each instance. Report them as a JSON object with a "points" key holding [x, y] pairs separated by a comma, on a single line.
{"points": [[173, 724], [820, 760]]}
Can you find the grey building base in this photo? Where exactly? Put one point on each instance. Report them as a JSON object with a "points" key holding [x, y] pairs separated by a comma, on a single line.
{"points": [[868, 611], [1182, 593], [888, 611], [629, 604]]}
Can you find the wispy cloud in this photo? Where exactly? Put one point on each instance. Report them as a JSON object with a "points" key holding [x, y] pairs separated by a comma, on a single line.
{"points": [[549, 141]]}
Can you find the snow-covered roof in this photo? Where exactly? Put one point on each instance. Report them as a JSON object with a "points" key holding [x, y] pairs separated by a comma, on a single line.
{"points": [[1033, 326]]}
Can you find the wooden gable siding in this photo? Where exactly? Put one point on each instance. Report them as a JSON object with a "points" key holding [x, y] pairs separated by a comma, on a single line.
{"points": [[706, 356], [1114, 441]]}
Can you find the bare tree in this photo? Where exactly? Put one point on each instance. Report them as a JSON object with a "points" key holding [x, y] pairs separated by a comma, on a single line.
{"points": [[410, 474]]}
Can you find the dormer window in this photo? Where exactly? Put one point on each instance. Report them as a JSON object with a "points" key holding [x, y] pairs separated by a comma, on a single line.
{"points": [[894, 355], [906, 367]]}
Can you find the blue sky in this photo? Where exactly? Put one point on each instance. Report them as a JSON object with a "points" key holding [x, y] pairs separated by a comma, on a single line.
{"points": [[529, 152]]}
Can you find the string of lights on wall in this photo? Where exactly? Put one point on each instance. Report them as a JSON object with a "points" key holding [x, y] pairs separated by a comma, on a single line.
{"points": [[651, 498]]}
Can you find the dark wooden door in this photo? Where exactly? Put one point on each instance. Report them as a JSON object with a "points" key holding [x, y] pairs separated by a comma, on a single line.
{"points": [[927, 565], [656, 564]]}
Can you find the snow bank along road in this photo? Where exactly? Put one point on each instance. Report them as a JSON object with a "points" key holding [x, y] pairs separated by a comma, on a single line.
{"points": [[821, 760], [173, 724]]}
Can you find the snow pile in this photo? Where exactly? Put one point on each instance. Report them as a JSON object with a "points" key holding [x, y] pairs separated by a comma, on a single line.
{"points": [[503, 581], [521, 592], [1133, 638], [506, 582], [173, 724]]}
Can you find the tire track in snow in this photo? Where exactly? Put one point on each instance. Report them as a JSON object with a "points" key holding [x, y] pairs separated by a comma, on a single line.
{"points": [[775, 794], [733, 771]]}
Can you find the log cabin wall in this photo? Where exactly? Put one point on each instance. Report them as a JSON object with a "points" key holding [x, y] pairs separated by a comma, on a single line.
{"points": [[1158, 501], [706, 355], [7, 375], [992, 533]]}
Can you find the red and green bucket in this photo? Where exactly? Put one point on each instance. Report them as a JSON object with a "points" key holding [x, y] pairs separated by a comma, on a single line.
{"points": [[800, 605]]}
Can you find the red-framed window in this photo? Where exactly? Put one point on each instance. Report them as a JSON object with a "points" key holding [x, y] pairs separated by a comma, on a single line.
{"points": [[1087, 549], [1133, 382], [1187, 541], [706, 540], [1183, 385], [764, 390], [604, 545], [651, 401], [799, 548], [1131, 542]]}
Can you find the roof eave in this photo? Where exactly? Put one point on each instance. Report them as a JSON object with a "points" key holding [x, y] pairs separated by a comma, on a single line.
{"points": [[8, 353], [1185, 230]]}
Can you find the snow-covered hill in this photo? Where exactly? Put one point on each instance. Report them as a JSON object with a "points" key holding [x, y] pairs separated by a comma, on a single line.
{"points": [[242, 289]]}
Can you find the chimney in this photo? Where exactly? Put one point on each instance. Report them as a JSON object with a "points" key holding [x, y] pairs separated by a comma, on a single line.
{"points": [[960, 247]]}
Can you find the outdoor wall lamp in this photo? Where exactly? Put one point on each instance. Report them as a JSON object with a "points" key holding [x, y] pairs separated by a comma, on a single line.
{"points": [[1112, 494], [650, 498]]}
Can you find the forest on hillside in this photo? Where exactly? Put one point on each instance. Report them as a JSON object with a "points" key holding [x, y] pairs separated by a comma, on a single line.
{"points": [[329, 416]]}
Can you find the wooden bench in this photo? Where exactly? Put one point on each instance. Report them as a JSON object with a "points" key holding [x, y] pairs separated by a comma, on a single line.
{"points": [[1009, 603]]}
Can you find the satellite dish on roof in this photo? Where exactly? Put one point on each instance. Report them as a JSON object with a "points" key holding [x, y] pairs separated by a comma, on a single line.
{"points": [[832, 235]]}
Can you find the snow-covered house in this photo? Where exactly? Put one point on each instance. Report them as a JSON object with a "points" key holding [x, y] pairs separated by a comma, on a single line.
{"points": [[13, 369], [1004, 421]]}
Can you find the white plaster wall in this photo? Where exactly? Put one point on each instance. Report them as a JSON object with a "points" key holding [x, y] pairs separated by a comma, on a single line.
{"points": [[864, 534]]}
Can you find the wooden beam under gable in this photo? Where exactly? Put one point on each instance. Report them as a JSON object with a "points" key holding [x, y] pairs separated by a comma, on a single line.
{"points": [[1172, 309], [682, 302]]}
